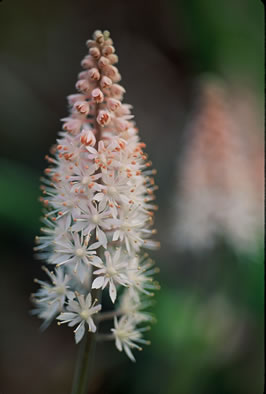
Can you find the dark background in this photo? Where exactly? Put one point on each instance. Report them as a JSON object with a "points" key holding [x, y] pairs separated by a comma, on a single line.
{"points": [[209, 334]]}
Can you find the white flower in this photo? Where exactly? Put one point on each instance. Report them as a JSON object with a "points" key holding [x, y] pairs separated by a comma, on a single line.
{"points": [[134, 309], [74, 251], [50, 298], [84, 179], [113, 189], [112, 274], [80, 313], [126, 334], [129, 229], [94, 219], [139, 274]]}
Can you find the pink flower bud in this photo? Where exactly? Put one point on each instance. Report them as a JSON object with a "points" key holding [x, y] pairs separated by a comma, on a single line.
{"points": [[82, 107], [95, 52], [87, 62], [90, 43], [103, 117], [83, 86], [97, 96], [105, 82], [117, 77], [103, 62], [108, 50], [121, 124], [98, 37], [87, 138], [113, 58], [125, 109], [73, 98], [83, 75], [71, 125], [111, 72], [94, 74], [113, 104], [117, 91]]}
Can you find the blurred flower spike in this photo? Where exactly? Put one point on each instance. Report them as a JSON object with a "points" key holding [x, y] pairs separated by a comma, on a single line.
{"points": [[98, 196], [221, 172]]}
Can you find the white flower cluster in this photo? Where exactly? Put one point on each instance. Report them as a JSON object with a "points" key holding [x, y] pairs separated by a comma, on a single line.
{"points": [[98, 198]]}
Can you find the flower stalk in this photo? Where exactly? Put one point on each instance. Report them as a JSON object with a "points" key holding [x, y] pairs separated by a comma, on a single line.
{"points": [[98, 197], [84, 365]]}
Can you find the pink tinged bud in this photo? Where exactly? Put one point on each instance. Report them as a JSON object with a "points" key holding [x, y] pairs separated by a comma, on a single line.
{"points": [[109, 42], [94, 74], [97, 96], [83, 75], [108, 50], [72, 125], [87, 138], [73, 98], [117, 91], [105, 82], [87, 62], [113, 58], [103, 117], [95, 52], [111, 72], [121, 124], [113, 104], [82, 107], [125, 109], [99, 37], [83, 86], [117, 77], [103, 62], [90, 43]]}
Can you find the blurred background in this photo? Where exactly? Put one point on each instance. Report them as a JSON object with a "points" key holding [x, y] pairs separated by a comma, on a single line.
{"points": [[194, 72]]}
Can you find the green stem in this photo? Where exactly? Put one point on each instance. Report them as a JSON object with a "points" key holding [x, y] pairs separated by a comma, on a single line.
{"points": [[86, 356], [84, 364]]}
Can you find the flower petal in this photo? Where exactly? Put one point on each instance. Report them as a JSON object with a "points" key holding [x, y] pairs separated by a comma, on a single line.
{"points": [[112, 291], [98, 282], [79, 332]]}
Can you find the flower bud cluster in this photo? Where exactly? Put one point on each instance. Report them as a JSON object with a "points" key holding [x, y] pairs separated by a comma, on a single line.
{"points": [[98, 196]]}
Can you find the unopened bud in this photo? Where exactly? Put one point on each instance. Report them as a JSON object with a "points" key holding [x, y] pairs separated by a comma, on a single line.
{"points": [[83, 86], [117, 91], [90, 43], [117, 77], [87, 62], [125, 109], [111, 72], [82, 107], [97, 96], [72, 125], [87, 138], [83, 75], [113, 58], [94, 74], [106, 34], [73, 98], [103, 118], [113, 104], [95, 52], [103, 62], [108, 50], [105, 82], [121, 124], [98, 36]]}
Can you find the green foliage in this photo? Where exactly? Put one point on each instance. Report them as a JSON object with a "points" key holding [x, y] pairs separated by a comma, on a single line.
{"points": [[19, 207]]}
